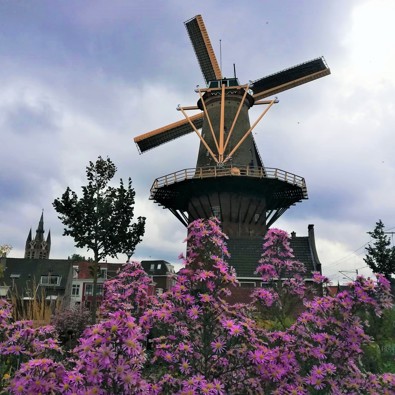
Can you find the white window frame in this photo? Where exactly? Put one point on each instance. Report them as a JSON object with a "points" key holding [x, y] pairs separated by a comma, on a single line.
{"points": [[48, 281], [99, 289], [75, 290], [90, 292], [103, 273]]}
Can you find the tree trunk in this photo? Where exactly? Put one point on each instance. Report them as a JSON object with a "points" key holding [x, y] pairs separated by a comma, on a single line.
{"points": [[94, 295]]}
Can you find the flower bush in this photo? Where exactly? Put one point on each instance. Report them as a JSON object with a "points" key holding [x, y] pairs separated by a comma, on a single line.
{"points": [[128, 291], [109, 358], [189, 340], [203, 345], [283, 277], [70, 324], [20, 342]]}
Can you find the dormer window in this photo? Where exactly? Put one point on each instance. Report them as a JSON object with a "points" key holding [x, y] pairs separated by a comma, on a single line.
{"points": [[51, 280]]}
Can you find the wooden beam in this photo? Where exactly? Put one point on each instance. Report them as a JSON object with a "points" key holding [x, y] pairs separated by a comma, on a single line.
{"points": [[249, 130], [199, 135], [208, 119], [236, 117]]}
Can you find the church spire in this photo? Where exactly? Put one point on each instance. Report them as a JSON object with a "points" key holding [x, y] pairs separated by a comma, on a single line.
{"points": [[38, 248], [40, 229]]}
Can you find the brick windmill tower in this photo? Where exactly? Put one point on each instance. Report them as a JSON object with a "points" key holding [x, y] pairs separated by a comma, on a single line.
{"points": [[230, 180]]}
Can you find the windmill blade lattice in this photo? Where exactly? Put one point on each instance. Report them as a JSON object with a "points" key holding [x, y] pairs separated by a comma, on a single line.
{"points": [[167, 133], [204, 51], [289, 78]]}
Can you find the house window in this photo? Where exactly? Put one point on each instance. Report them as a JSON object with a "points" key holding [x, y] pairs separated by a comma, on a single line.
{"points": [[75, 290], [75, 271], [89, 289], [50, 280], [103, 273], [152, 267]]}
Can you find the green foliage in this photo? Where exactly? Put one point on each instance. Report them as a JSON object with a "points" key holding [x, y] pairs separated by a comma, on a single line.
{"points": [[101, 220], [380, 255], [79, 258], [379, 356], [4, 250]]}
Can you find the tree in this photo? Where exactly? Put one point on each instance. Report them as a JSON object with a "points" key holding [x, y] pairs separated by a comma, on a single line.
{"points": [[101, 220], [5, 250], [380, 256], [79, 258]]}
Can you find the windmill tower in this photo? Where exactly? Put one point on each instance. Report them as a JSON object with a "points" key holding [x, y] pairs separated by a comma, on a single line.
{"points": [[229, 180]]}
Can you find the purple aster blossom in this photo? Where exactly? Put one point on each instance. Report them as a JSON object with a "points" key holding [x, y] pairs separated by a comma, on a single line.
{"points": [[39, 376]]}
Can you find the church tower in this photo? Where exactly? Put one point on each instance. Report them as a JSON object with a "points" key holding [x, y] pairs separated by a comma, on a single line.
{"points": [[38, 248]]}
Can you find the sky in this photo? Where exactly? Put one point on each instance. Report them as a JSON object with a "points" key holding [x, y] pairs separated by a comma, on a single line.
{"points": [[82, 79]]}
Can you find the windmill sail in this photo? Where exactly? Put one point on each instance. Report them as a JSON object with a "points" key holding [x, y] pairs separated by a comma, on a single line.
{"points": [[167, 133], [204, 51], [289, 78]]}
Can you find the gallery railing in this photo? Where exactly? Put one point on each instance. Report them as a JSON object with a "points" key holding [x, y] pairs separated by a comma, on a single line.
{"points": [[210, 172]]}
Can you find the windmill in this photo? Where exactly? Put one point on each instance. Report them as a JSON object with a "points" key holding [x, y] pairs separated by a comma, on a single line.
{"points": [[229, 180]]}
